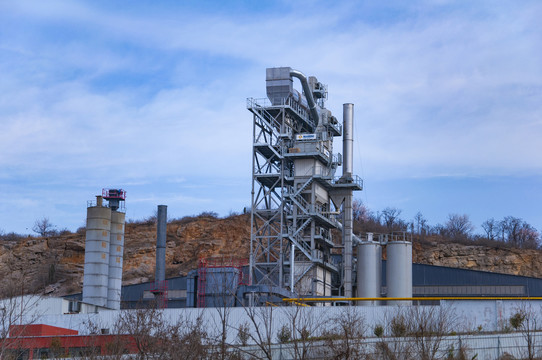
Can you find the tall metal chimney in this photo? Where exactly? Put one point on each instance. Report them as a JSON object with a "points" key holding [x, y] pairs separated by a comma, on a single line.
{"points": [[348, 147], [160, 274], [348, 139]]}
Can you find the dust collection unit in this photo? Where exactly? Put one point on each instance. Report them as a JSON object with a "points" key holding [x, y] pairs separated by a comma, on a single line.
{"points": [[298, 201]]}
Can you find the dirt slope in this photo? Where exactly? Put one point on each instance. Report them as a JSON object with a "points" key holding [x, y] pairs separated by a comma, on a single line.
{"points": [[55, 265]]}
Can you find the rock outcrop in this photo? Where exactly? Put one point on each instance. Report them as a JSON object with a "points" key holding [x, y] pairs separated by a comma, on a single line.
{"points": [[54, 265]]}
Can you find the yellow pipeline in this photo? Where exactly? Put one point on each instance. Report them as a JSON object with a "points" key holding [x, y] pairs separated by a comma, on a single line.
{"points": [[335, 299]]}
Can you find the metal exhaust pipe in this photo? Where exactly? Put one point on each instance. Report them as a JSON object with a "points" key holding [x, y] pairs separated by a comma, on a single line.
{"points": [[308, 94], [348, 139], [160, 274]]}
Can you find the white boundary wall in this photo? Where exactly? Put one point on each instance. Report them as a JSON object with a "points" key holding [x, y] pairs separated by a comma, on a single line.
{"points": [[470, 317], [491, 315]]}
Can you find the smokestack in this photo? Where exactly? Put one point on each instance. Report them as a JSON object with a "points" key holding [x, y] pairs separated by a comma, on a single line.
{"points": [[348, 139], [160, 274], [348, 150]]}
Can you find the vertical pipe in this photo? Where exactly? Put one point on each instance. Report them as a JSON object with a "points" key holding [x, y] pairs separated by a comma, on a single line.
{"points": [[348, 139], [348, 246], [160, 274], [292, 267]]}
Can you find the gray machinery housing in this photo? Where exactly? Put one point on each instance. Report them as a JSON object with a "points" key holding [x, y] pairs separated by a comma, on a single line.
{"points": [[296, 198]]}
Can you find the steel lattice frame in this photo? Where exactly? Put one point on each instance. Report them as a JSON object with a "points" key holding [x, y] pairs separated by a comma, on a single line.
{"points": [[267, 245], [279, 213]]}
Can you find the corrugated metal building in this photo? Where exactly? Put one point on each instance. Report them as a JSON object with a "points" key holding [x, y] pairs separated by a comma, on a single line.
{"points": [[428, 280]]}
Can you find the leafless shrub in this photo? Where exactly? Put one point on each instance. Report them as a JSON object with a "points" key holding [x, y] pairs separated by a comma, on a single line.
{"points": [[526, 320], [262, 322], [243, 334], [427, 325], [156, 338], [15, 311], [397, 346], [303, 325], [344, 333], [12, 237]]}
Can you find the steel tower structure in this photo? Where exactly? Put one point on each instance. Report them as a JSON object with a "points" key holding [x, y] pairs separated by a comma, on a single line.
{"points": [[296, 197]]}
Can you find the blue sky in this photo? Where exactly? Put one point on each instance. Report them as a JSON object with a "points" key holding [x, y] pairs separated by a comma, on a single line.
{"points": [[150, 97]]}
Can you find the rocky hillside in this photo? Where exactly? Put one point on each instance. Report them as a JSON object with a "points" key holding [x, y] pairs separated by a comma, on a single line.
{"points": [[54, 265]]}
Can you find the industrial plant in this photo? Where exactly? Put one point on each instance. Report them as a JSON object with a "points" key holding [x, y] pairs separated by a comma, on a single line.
{"points": [[302, 244], [303, 249]]}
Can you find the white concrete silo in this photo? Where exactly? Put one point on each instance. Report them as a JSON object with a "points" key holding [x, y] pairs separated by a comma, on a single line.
{"points": [[369, 271], [399, 270], [116, 251], [96, 273]]}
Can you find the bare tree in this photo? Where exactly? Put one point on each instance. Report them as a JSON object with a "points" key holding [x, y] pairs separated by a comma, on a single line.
{"points": [[395, 346], [262, 322], [518, 233], [359, 211], [420, 222], [303, 325], [459, 227], [427, 325], [527, 321], [43, 227], [390, 217], [152, 336], [490, 226], [344, 334], [16, 313], [188, 338], [146, 326]]}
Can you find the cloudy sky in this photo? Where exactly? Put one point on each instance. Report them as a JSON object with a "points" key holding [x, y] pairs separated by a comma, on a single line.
{"points": [[150, 96]]}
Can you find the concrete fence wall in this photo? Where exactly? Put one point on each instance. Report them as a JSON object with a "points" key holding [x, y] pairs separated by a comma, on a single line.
{"points": [[471, 319]]}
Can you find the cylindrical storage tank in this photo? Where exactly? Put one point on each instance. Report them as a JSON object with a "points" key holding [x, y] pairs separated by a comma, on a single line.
{"points": [[399, 271], [369, 271], [116, 251], [95, 278]]}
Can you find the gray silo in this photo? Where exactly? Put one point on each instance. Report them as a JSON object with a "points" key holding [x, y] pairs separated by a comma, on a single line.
{"points": [[399, 270], [116, 251], [96, 273], [369, 270]]}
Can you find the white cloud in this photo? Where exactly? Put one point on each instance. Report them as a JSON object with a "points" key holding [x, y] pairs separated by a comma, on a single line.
{"points": [[94, 95]]}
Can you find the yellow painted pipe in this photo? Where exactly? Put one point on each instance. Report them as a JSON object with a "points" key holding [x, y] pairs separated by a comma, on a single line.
{"points": [[335, 299]]}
